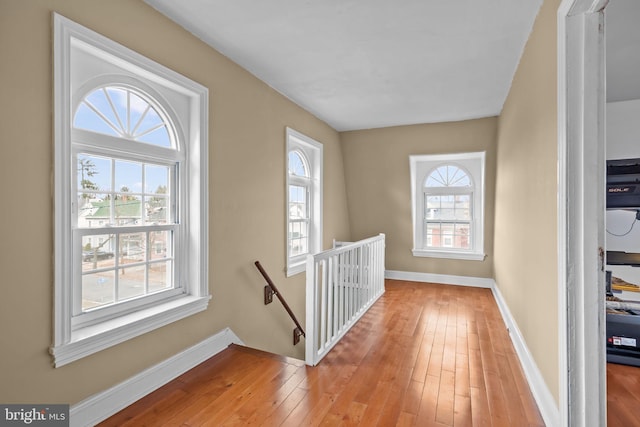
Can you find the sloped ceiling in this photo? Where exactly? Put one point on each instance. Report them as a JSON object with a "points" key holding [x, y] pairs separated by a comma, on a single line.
{"points": [[359, 64]]}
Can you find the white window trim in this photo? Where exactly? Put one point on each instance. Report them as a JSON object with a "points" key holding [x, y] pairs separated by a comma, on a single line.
{"points": [[420, 167], [72, 344], [313, 150]]}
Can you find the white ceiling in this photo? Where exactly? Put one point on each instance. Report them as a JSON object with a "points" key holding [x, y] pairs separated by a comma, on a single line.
{"points": [[622, 32], [359, 64]]}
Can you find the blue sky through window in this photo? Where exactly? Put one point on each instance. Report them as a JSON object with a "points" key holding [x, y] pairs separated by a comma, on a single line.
{"points": [[121, 112]]}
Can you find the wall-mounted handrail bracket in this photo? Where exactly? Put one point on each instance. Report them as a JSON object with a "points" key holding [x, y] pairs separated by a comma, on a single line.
{"points": [[268, 295], [297, 333], [269, 291]]}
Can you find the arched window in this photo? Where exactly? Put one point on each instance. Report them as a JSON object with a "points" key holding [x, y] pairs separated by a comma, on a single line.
{"points": [[448, 205], [299, 204], [131, 210], [304, 199], [298, 164], [448, 201], [125, 113], [127, 206]]}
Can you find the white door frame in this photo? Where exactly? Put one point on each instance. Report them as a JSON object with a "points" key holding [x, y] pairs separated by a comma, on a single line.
{"points": [[581, 180]]}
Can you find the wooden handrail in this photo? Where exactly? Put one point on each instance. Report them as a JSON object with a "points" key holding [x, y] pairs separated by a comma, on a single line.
{"points": [[274, 290]]}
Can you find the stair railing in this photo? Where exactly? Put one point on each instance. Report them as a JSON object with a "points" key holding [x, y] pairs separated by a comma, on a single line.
{"points": [[342, 284], [269, 291]]}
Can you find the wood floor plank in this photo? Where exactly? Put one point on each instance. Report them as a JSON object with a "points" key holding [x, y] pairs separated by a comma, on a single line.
{"points": [[446, 398], [423, 355]]}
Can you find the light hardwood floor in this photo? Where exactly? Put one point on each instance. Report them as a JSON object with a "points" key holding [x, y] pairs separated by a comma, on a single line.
{"points": [[424, 355], [623, 396]]}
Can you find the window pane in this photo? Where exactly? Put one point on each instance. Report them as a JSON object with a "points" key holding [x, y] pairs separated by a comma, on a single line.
{"points": [[447, 207], [462, 207], [448, 176], [93, 210], [299, 246], [157, 210], [159, 136], [160, 244], [448, 235], [96, 113], [127, 210], [462, 233], [433, 235], [128, 177], [123, 113], [131, 282], [160, 274], [118, 98], [98, 289], [138, 108], [156, 179], [297, 202], [298, 164], [93, 174], [98, 251], [157, 187], [432, 208], [133, 248]]}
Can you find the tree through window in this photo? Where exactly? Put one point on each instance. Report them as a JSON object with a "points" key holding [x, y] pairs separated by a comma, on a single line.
{"points": [[126, 209], [131, 194]]}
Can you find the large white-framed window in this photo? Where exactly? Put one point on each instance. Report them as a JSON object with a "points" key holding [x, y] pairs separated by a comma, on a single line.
{"points": [[304, 199], [447, 193], [131, 210]]}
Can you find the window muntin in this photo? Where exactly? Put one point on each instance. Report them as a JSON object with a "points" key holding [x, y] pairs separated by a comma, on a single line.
{"points": [[448, 176], [448, 205]]}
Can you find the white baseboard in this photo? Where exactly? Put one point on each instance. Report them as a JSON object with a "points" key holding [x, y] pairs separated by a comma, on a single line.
{"points": [[543, 397], [101, 406], [445, 279]]}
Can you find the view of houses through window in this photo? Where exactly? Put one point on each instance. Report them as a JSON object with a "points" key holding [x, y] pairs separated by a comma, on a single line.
{"points": [[139, 262], [124, 211], [448, 197]]}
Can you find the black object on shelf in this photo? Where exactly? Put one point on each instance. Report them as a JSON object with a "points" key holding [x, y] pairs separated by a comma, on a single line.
{"points": [[623, 258], [623, 183]]}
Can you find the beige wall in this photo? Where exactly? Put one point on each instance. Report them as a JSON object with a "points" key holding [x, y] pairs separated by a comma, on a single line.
{"points": [[379, 187], [247, 204], [526, 207], [247, 200]]}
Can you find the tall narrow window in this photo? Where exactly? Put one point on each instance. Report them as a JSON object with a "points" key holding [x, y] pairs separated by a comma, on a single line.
{"points": [[448, 200], [299, 204], [448, 205], [131, 194], [304, 199]]}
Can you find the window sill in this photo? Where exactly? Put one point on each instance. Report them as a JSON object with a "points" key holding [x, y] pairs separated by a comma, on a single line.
{"points": [[91, 339], [296, 268], [470, 256]]}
